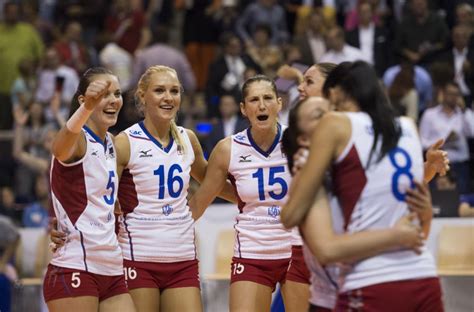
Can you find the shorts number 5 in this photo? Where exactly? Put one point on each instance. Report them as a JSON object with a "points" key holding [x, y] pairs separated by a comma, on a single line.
{"points": [[75, 280], [238, 268]]}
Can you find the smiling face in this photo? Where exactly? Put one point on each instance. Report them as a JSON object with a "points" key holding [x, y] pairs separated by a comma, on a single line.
{"points": [[312, 84], [106, 113], [161, 96], [261, 104]]}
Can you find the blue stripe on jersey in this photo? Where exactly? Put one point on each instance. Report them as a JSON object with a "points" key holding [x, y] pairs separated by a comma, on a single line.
{"points": [[83, 249], [96, 137], [152, 138], [272, 147], [129, 238]]}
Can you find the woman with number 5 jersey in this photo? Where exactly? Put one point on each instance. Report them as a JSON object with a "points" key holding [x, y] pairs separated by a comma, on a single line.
{"points": [[156, 160], [254, 162], [86, 274], [375, 158]]}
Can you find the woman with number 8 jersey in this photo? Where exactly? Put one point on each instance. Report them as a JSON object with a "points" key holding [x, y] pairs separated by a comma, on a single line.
{"points": [[86, 274], [256, 165], [156, 160], [375, 158]]}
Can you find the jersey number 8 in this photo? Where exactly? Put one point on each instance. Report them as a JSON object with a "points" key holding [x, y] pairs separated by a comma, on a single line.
{"points": [[401, 170]]}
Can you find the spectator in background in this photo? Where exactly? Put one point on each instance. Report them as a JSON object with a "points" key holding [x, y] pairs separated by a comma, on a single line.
{"points": [[31, 149], [423, 82], [18, 41], [353, 17], [265, 54], [55, 77], [127, 26], [465, 17], [402, 93], [338, 50], [8, 207], [45, 28], [441, 74], [226, 73], [72, 51], [8, 244], [161, 53], [421, 34], [454, 122], [89, 13], [263, 12], [35, 214], [371, 39], [229, 123], [200, 42], [311, 43], [461, 59], [24, 87], [466, 206], [117, 60], [226, 15]]}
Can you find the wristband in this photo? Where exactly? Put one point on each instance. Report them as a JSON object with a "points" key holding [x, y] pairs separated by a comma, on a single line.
{"points": [[78, 119]]}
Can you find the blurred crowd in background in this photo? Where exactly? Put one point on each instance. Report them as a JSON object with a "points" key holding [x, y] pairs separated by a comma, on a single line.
{"points": [[422, 50]]}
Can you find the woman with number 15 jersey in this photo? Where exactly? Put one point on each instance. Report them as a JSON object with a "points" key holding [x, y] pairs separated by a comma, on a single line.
{"points": [[156, 160], [375, 158], [256, 165]]}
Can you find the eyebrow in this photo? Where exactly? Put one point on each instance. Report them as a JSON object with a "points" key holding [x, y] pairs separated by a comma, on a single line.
{"points": [[164, 86]]}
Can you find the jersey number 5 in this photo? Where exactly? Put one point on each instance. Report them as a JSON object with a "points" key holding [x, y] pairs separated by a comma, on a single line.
{"points": [[110, 185], [272, 179]]}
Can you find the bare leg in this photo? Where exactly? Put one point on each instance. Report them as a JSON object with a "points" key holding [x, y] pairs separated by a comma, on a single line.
{"points": [[249, 297], [77, 304], [295, 296], [119, 303], [183, 299], [146, 299]]}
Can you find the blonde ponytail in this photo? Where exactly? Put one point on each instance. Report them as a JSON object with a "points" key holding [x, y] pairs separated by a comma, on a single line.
{"points": [[178, 138]]}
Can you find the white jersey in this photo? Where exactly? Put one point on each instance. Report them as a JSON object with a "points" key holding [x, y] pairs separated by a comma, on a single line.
{"points": [[83, 195], [157, 225], [324, 279], [261, 179], [373, 198]]}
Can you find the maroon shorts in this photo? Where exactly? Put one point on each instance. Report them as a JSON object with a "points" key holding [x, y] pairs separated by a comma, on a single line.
{"points": [[420, 295], [62, 282], [161, 275], [264, 272], [297, 270]]}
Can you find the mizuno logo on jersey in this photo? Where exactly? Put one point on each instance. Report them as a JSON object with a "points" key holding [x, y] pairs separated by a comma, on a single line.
{"points": [[167, 210], [135, 132], [240, 137], [244, 158], [145, 154], [274, 211], [94, 153]]}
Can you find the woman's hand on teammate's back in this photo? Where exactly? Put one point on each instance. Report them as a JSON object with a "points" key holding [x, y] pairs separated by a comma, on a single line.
{"points": [[57, 237], [410, 235]]}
